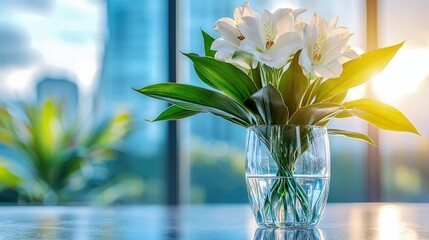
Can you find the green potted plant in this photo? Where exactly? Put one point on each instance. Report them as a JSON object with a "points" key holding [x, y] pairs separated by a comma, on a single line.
{"points": [[55, 159]]}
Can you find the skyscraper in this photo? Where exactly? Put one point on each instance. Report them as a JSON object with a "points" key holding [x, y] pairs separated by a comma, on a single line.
{"points": [[135, 55]]}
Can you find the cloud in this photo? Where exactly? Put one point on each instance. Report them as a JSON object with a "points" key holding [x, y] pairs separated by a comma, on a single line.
{"points": [[15, 50], [36, 5]]}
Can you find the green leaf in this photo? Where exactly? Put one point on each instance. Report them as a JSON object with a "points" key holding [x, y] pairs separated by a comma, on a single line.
{"points": [[339, 98], [208, 41], [315, 114], [7, 178], [355, 135], [196, 98], [225, 77], [6, 137], [174, 113], [268, 103], [357, 72], [203, 78], [256, 76], [378, 114], [310, 92], [5, 118], [293, 84]]}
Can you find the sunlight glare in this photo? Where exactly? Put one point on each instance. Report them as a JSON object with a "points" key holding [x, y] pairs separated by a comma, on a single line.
{"points": [[402, 76], [391, 227], [19, 82]]}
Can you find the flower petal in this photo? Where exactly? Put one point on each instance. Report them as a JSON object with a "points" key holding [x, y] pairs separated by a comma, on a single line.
{"points": [[221, 45], [228, 30], [330, 70], [242, 11], [305, 62], [253, 30], [286, 45]]}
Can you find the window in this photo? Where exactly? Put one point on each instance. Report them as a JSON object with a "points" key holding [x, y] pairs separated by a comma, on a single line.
{"points": [[405, 84], [216, 148], [105, 48]]}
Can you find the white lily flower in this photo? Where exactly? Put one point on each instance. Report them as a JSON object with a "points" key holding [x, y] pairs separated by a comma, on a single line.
{"points": [[325, 48], [230, 39], [272, 37]]}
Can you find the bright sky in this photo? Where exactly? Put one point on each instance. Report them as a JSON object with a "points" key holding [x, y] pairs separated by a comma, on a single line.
{"points": [[66, 37]]}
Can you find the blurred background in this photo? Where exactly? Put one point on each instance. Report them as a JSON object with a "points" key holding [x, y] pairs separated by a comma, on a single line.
{"points": [[72, 130]]}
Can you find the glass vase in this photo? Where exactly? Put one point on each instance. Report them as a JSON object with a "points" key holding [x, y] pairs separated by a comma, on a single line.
{"points": [[287, 174]]}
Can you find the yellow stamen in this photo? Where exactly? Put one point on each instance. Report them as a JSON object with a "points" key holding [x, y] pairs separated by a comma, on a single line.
{"points": [[321, 42], [317, 57], [268, 27], [269, 44]]}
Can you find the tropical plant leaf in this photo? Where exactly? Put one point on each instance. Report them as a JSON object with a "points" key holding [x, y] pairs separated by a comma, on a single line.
{"points": [[7, 178], [268, 104], [208, 41], [203, 78], [256, 76], [315, 114], [349, 134], [293, 84], [310, 92], [117, 128], [378, 114], [225, 77], [357, 72], [5, 118], [71, 161], [339, 98], [196, 98], [175, 112], [6, 137]]}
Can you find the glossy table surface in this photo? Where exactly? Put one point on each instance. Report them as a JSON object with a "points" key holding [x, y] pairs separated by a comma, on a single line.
{"points": [[340, 221]]}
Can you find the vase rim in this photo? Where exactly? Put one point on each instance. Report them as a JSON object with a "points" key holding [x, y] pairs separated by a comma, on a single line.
{"points": [[286, 125]]}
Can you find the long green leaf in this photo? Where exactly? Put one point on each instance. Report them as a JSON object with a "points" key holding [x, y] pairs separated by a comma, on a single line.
{"points": [[310, 92], [378, 114], [5, 118], [269, 105], [355, 135], [174, 113], [208, 40], [203, 78], [315, 114], [6, 137], [225, 77], [256, 76], [293, 84], [357, 72], [196, 98], [339, 98], [7, 178]]}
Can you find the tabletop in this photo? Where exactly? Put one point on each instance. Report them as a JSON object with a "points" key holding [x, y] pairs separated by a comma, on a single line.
{"points": [[384, 221]]}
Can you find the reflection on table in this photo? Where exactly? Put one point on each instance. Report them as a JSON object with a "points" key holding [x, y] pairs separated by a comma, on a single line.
{"points": [[340, 221]]}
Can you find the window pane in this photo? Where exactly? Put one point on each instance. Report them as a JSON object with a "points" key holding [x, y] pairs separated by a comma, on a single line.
{"points": [[216, 148], [136, 55], [405, 84], [91, 54]]}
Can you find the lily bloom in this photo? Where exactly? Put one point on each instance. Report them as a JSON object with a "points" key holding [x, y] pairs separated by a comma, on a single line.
{"points": [[230, 39], [325, 48], [272, 37]]}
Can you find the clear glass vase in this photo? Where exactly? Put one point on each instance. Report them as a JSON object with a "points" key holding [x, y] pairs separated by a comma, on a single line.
{"points": [[263, 233], [287, 174]]}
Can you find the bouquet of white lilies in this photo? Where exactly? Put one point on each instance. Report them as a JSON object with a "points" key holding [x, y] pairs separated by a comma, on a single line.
{"points": [[274, 68], [271, 39]]}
